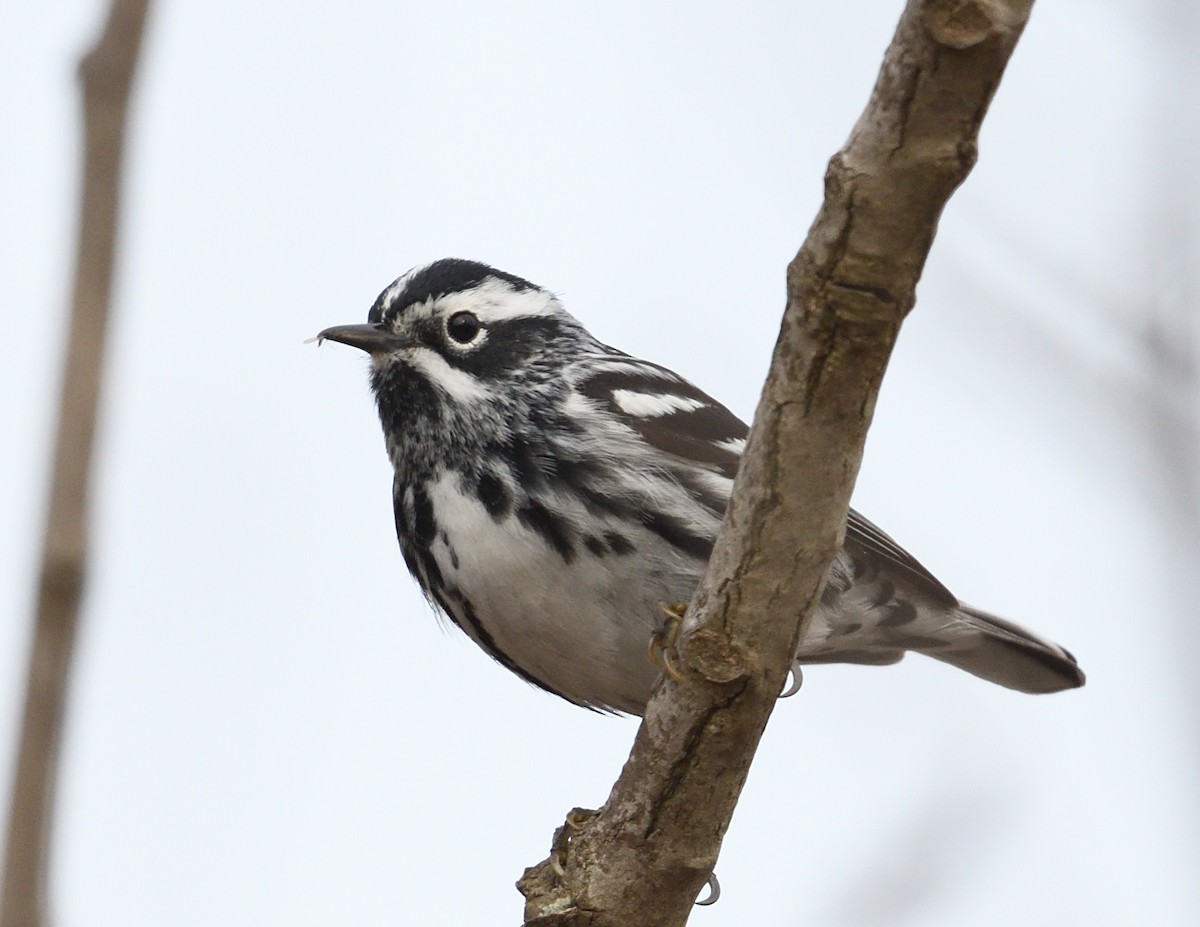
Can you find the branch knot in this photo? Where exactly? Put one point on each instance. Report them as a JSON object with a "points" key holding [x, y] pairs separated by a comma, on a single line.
{"points": [[713, 655], [966, 23]]}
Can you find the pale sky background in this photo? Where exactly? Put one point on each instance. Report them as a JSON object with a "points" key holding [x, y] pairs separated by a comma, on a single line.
{"points": [[268, 727]]}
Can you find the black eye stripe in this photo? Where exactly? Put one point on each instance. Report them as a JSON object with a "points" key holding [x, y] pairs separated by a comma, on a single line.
{"points": [[509, 346]]}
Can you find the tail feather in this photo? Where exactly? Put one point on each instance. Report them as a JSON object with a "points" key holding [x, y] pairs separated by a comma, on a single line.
{"points": [[1008, 655]]}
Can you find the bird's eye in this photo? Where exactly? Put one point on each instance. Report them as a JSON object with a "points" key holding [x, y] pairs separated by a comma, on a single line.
{"points": [[463, 327]]}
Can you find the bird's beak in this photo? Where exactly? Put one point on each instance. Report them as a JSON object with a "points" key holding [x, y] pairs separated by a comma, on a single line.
{"points": [[374, 339]]}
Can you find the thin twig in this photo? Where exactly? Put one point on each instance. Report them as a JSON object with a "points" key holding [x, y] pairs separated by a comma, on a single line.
{"points": [[641, 861], [106, 74]]}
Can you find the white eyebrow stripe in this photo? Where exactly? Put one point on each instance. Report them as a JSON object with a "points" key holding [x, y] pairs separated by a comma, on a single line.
{"points": [[458, 384], [497, 301], [653, 405]]}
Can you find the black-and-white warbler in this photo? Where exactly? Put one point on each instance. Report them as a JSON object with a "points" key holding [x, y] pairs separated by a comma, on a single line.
{"points": [[552, 493]]}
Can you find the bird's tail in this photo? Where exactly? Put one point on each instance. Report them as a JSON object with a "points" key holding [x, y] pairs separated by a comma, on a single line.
{"points": [[1008, 655]]}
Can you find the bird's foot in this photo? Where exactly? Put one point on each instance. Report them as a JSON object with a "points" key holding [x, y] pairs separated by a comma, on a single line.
{"points": [[576, 818], [662, 642]]}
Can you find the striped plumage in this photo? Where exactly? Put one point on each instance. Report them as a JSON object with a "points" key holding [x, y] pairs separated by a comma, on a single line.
{"points": [[551, 493]]}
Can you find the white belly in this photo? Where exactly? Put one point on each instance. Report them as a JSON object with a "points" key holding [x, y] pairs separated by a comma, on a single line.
{"points": [[581, 627]]}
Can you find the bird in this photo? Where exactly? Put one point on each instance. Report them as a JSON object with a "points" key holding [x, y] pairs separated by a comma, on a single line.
{"points": [[551, 494]]}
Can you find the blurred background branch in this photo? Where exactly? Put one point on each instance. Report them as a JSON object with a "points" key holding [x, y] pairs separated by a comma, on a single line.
{"points": [[106, 75]]}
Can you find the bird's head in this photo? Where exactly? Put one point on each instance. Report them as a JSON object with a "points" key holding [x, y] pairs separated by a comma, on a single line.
{"points": [[462, 325], [458, 343]]}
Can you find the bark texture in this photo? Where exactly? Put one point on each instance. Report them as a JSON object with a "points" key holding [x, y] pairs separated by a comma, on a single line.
{"points": [[106, 75], [646, 855]]}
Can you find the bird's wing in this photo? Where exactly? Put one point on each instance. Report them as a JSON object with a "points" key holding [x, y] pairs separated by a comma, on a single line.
{"points": [[863, 537], [670, 414], [677, 418]]}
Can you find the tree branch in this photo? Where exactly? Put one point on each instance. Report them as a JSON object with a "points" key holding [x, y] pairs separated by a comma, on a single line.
{"points": [[645, 856], [106, 73]]}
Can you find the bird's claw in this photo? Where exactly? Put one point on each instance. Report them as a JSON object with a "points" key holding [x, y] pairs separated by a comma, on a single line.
{"points": [[714, 892], [797, 675], [577, 817], [662, 642]]}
